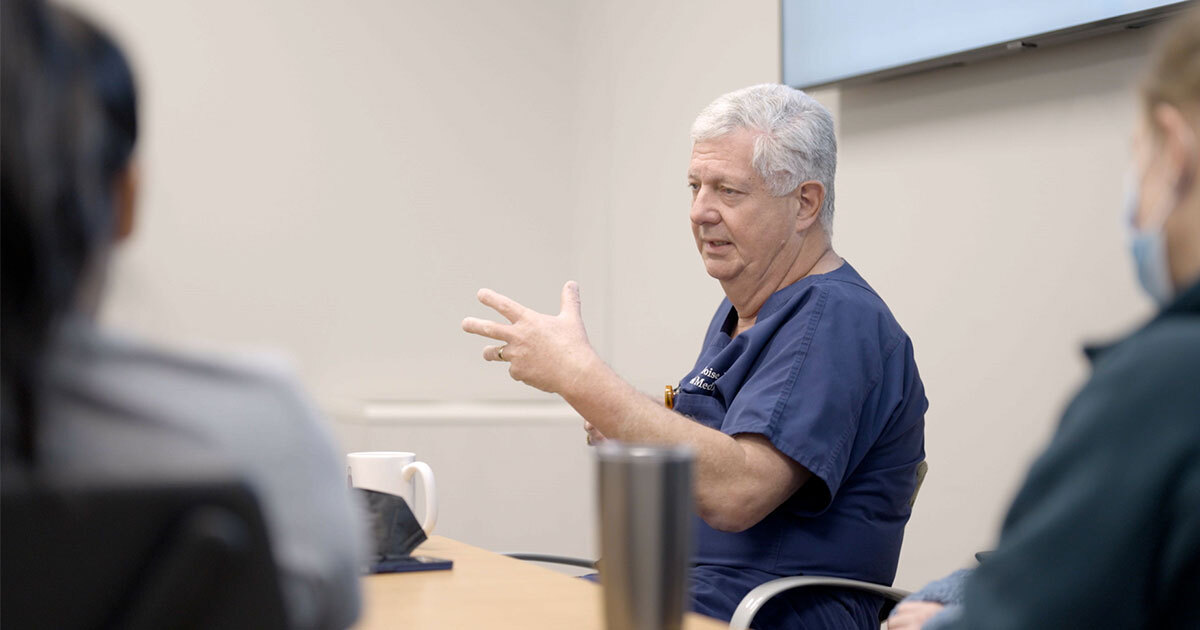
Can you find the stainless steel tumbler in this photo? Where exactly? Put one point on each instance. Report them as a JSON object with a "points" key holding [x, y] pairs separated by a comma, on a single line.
{"points": [[645, 534]]}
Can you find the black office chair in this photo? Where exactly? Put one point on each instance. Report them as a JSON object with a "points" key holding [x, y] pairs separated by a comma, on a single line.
{"points": [[135, 555]]}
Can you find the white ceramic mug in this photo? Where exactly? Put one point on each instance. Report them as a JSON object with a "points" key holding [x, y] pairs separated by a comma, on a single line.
{"points": [[392, 472]]}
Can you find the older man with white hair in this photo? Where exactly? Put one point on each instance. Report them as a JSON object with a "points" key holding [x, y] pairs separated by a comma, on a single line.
{"points": [[805, 408]]}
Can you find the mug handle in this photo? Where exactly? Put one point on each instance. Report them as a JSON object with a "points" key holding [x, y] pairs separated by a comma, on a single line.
{"points": [[430, 490]]}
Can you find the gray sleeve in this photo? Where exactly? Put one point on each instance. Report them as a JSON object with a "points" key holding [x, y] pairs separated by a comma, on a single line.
{"points": [[946, 591], [124, 407], [316, 527]]}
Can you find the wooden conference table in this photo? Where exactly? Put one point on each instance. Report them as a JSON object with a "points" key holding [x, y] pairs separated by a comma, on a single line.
{"points": [[486, 590]]}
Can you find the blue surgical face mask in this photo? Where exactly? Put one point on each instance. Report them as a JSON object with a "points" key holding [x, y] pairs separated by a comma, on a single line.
{"points": [[1148, 246]]}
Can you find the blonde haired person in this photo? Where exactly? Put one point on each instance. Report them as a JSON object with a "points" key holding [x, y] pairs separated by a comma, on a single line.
{"points": [[1105, 532]]}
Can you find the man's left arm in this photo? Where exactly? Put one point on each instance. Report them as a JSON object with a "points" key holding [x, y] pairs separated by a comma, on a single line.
{"points": [[739, 479]]}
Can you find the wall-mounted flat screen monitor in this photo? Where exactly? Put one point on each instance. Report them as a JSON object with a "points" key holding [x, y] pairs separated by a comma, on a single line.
{"points": [[836, 41]]}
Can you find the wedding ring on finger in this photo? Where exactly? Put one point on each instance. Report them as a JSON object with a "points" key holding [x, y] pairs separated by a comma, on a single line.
{"points": [[500, 352]]}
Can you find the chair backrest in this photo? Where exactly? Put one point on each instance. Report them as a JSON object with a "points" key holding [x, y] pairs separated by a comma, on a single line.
{"points": [[135, 555], [922, 468]]}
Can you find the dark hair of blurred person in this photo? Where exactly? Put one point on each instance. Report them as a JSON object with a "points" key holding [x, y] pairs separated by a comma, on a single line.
{"points": [[69, 126], [80, 401]]}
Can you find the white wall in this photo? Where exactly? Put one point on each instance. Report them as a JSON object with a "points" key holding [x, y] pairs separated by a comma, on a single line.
{"points": [[647, 70], [337, 179]]}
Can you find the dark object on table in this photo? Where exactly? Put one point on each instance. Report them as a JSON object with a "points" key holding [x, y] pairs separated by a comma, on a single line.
{"points": [[393, 530], [412, 563]]}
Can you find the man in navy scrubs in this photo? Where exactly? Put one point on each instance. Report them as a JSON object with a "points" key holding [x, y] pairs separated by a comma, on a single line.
{"points": [[805, 408]]}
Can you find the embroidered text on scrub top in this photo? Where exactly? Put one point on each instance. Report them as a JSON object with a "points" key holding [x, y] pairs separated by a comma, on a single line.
{"points": [[699, 379]]}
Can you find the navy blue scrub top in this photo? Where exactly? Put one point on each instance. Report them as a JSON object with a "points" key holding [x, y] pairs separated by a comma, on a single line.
{"points": [[827, 375]]}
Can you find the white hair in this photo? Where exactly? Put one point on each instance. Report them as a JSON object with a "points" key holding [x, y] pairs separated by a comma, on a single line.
{"points": [[796, 142]]}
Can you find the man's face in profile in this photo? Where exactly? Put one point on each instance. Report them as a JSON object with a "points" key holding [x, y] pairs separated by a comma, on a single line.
{"points": [[739, 227]]}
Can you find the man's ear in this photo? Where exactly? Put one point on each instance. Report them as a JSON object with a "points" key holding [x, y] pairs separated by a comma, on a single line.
{"points": [[125, 191], [810, 196]]}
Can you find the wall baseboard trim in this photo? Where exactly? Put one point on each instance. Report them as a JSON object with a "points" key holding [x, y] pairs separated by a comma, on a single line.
{"points": [[387, 412]]}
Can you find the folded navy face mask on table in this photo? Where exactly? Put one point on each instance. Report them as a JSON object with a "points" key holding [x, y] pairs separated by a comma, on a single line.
{"points": [[393, 531]]}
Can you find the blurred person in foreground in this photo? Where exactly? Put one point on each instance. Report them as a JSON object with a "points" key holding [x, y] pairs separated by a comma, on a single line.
{"points": [[82, 402], [804, 409], [1105, 532]]}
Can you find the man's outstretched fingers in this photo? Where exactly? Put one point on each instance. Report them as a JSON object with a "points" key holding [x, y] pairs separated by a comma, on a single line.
{"points": [[570, 298], [486, 328], [507, 307]]}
